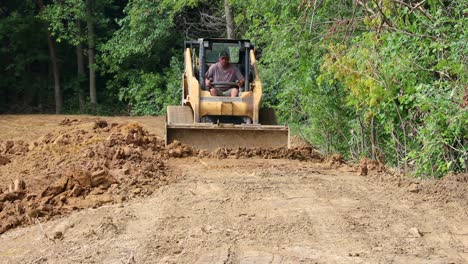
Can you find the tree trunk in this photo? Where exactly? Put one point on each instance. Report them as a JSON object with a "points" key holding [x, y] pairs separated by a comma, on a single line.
{"points": [[363, 146], [55, 68], [91, 54], [373, 140], [229, 20], [81, 68]]}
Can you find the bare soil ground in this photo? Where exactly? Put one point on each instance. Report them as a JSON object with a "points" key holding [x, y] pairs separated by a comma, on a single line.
{"points": [[82, 189]]}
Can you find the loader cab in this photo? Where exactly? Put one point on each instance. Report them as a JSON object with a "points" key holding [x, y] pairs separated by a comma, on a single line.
{"points": [[206, 52]]}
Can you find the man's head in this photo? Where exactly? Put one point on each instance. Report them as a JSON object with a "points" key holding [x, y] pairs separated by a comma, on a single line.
{"points": [[224, 58]]}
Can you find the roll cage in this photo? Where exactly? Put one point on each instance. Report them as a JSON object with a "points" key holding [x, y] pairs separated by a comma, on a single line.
{"points": [[205, 52]]}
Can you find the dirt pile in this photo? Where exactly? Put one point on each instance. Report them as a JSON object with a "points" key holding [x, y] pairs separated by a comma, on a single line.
{"points": [[78, 166], [82, 164], [451, 188], [299, 153], [305, 153]]}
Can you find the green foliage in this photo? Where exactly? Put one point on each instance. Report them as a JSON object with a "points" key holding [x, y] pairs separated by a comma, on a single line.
{"points": [[63, 17], [144, 56], [413, 82], [22, 57], [142, 31], [379, 80], [442, 133], [289, 67], [149, 93]]}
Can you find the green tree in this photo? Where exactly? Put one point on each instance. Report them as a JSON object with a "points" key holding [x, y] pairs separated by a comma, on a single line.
{"points": [[25, 74]]}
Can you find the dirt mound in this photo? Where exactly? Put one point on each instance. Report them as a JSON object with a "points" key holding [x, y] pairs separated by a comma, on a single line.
{"points": [[83, 163], [299, 153], [297, 141], [179, 150], [78, 166], [451, 188]]}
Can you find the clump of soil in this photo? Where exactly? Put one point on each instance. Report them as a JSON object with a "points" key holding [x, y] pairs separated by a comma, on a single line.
{"points": [[335, 160], [375, 165], [179, 150], [4, 160], [78, 166], [69, 122], [368, 165], [362, 169]]}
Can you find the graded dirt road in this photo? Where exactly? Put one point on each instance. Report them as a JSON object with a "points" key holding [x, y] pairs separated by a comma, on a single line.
{"points": [[231, 210]]}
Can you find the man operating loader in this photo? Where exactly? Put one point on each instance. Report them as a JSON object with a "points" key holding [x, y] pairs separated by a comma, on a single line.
{"points": [[223, 71]]}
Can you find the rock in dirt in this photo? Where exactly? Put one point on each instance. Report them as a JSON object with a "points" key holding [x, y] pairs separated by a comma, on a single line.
{"points": [[19, 185], [57, 188], [18, 147], [175, 153], [136, 191], [12, 196], [4, 160], [377, 249], [68, 122], [57, 235], [102, 179], [335, 160], [82, 178], [414, 188], [76, 191], [35, 213], [179, 150], [100, 124], [62, 140], [414, 232]]}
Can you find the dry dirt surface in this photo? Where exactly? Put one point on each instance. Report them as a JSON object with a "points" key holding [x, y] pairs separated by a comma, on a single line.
{"points": [[83, 189]]}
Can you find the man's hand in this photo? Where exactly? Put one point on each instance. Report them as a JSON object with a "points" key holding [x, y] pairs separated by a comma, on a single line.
{"points": [[240, 83], [214, 92], [208, 83]]}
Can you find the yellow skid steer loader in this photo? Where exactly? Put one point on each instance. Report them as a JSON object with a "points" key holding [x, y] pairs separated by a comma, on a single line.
{"points": [[209, 122]]}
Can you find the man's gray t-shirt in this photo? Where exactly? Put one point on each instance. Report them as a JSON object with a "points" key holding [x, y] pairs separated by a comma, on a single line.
{"points": [[218, 74]]}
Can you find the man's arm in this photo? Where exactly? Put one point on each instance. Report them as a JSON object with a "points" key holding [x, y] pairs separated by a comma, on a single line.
{"points": [[209, 76], [239, 77]]}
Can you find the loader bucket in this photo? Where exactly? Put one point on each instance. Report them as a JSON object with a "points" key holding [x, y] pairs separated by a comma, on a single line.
{"points": [[212, 136]]}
